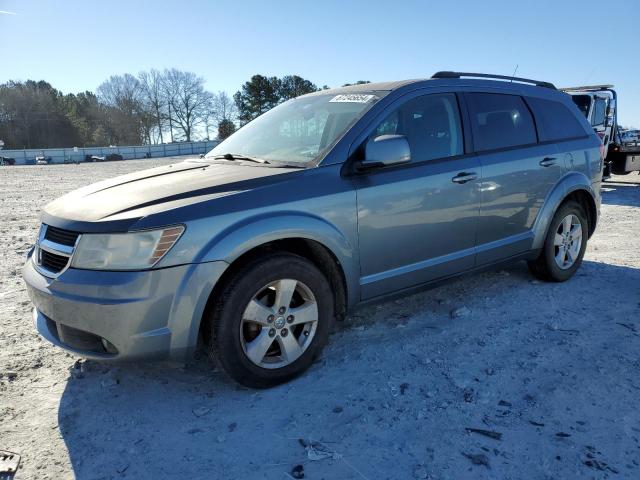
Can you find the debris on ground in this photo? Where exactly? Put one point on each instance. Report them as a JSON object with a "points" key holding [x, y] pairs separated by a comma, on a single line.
{"points": [[201, 411], [468, 394], [9, 463], [110, 380], [318, 451], [486, 433], [477, 459], [593, 462], [297, 471], [459, 312]]}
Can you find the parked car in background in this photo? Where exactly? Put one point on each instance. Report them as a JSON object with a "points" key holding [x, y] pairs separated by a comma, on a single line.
{"points": [[7, 160], [111, 157], [630, 136], [42, 159], [328, 201]]}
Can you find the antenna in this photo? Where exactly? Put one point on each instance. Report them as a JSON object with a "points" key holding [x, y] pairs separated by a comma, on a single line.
{"points": [[590, 74], [514, 73]]}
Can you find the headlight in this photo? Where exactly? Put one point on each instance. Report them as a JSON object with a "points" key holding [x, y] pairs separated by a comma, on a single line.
{"points": [[124, 251]]}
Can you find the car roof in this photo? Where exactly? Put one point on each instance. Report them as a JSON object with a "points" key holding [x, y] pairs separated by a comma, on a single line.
{"points": [[513, 87], [368, 87]]}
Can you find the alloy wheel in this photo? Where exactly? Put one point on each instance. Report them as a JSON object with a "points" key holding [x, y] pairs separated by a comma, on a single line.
{"points": [[567, 241], [279, 323]]}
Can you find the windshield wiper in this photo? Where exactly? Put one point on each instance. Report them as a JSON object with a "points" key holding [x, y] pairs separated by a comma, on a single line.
{"points": [[237, 156]]}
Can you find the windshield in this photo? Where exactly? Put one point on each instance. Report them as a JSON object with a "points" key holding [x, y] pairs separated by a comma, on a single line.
{"points": [[298, 132]]}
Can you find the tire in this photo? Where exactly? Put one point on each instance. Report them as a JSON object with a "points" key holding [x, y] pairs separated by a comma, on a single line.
{"points": [[547, 266], [252, 293]]}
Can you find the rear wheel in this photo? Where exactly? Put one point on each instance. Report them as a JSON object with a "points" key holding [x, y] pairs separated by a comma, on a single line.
{"points": [[272, 319], [564, 245]]}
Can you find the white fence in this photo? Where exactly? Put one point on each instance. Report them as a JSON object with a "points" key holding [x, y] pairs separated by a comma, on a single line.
{"points": [[62, 155]]}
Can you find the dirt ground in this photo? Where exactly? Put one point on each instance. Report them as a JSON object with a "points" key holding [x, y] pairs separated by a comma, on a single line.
{"points": [[547, 374]]}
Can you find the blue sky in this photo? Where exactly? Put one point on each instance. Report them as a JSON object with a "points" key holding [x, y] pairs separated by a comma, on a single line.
{"points": [[75, 45]]}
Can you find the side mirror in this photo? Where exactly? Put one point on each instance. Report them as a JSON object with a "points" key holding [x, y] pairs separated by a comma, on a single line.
{"points": [[385, 151]]}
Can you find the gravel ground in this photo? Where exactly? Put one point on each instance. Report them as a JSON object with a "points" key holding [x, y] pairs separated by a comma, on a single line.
{"points": [[546, 373]]}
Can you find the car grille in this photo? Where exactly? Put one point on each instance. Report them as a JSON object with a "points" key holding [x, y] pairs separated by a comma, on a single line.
{"points": [[54, 249], [59, 235], [52, 262]]}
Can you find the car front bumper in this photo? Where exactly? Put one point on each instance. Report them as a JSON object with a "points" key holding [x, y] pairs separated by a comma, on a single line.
{"points": [[152, 314]]}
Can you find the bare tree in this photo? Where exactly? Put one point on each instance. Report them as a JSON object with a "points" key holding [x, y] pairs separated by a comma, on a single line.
{"points": [[210, 115], [129, 122], [221, 110], [225, 107], [188, 100], [152, 85], [123, 92]]}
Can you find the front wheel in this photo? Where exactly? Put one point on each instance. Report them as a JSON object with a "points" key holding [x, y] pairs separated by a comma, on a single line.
{"points": [[564, 245], [272, 319]]}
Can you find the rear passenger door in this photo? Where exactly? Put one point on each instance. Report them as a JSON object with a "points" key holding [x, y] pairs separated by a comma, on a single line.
{"points": [[559, 125], [517, 173]]}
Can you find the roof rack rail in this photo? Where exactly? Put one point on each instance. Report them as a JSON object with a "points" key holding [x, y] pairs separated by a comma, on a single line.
{"points": [[499, 77]]}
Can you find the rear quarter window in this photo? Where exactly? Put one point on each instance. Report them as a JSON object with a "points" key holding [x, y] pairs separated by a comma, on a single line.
{"points": [[555, 121], [500, 121]]}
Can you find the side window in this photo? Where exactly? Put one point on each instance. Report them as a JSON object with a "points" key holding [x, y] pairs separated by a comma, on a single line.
{"points": [[500, 121], [431, 124], [555, 121], [599, 110], [389, 126]]}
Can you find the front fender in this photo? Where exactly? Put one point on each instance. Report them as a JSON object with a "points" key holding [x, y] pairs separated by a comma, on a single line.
{"points": [[236, 240], [568, 184]]}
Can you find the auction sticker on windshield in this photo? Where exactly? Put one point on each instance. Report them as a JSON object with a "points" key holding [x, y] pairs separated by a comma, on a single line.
{"points": [[352, 98]]}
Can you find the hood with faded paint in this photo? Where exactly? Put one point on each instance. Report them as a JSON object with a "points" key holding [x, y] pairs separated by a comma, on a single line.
{"points": [[157, 189]]}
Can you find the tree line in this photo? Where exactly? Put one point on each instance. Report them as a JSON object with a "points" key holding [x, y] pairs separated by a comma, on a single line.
{"points": [[152, 107]]}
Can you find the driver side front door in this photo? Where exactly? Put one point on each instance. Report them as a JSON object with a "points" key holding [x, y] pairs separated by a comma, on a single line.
{"points": [[417, 222]]}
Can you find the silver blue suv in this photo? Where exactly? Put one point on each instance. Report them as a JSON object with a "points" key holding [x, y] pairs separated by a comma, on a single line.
{"points": [[327, 201]]}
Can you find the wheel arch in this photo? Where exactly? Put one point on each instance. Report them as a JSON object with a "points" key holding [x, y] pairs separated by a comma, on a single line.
{"points": [[309, 237], [584, 198], [574, 186]]}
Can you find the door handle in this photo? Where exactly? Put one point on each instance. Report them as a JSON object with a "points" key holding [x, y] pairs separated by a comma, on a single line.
{"points": [[464, 177], [547, 162]]}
